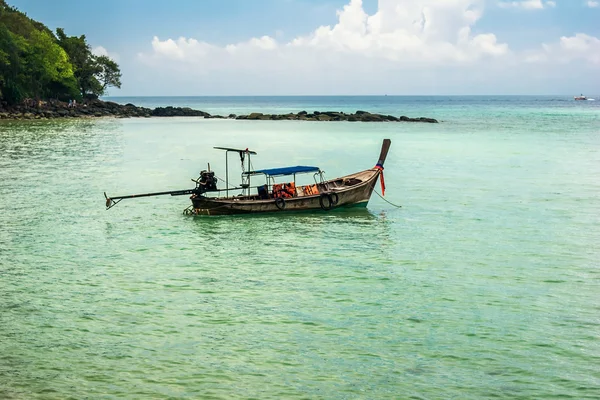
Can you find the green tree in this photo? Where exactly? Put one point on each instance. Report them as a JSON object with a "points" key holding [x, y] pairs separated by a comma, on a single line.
{"points": [[49, 68], [85, 68], [110, 74], [94, 74], [13, 81], [36, 63], [5, 59]]}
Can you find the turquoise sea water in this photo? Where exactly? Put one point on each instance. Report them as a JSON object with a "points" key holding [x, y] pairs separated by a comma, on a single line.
{"points": [[483, 285]]}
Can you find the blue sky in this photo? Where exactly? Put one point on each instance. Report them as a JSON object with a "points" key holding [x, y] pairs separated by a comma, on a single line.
{"points": [[263, 47]]}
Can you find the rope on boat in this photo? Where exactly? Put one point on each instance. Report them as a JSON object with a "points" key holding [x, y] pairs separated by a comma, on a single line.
{"points": [[387, 201]]}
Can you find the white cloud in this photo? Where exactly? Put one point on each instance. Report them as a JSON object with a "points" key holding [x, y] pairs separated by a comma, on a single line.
{"points": [[181, 49], [580, 47], [420, 31], [405, 46], [593, 4], [262, 43], [527, 4], [101, 51]]}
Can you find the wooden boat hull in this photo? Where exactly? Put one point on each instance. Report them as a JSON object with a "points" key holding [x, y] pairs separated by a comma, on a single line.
{"points": [[349, 191]]}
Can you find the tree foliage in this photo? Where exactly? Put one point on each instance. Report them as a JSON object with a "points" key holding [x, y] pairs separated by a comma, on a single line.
{"points": [[48, 67], [84, 65], [35, 63], [109, 73]]}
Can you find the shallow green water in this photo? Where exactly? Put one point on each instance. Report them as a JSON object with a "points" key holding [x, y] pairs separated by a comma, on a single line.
{"points": [[484, 284]]}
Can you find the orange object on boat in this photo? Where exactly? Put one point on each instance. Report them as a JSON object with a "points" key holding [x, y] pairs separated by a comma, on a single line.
{"points": [[310, 190], [382, 181]]}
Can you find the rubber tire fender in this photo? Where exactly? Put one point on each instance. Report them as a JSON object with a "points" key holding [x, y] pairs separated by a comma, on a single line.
{"points": [[329, 205], [333, 196], [280, 203]]}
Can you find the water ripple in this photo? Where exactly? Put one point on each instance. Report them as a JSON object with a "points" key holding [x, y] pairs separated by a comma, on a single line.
{"points": [[483, 285]]}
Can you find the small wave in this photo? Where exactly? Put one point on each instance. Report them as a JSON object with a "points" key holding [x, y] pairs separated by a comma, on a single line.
{"points": [[591, 99]]}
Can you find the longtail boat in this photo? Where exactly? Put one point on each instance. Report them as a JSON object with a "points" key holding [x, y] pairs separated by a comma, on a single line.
{"points": [[352, 190]]}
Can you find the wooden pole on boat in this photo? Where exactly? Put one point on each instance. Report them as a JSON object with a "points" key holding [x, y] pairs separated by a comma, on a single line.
{"points": [[385, 147]]}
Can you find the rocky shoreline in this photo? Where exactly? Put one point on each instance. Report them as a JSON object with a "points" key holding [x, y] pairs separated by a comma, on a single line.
{"points": [[99, 109]]}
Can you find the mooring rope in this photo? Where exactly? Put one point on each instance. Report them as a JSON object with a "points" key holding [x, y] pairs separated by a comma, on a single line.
{"points": [[387, 201]]}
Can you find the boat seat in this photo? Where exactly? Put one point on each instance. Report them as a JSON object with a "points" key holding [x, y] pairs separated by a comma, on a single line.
{"points": [[352, 181], [263, 192]]}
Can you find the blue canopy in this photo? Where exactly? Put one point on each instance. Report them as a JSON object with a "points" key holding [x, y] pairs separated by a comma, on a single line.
{"points": [[299, 169]]}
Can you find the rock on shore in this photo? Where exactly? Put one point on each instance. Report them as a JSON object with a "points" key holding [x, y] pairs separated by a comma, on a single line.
{"points": [[359, 116], [98, 108]]}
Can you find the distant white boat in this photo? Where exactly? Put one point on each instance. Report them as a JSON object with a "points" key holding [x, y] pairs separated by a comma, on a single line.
{"points": [[582, 97]]}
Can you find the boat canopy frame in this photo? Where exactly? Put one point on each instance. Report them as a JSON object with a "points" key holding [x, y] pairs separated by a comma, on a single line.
{"points": [[271, 173], [283, 171], [243, 153]]}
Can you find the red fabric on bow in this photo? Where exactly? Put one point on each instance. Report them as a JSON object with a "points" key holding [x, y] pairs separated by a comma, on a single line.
{"points": [[382, 180]]}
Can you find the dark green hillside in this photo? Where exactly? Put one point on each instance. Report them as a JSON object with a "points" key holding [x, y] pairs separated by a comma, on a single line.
{"points": [[37, 64]]}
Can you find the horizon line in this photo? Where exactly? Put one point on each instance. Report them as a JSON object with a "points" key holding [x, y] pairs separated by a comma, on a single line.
{"points": [[341, 95]]}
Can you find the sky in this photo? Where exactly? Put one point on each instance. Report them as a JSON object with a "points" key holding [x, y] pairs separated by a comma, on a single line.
{"points": [[338, 47]]}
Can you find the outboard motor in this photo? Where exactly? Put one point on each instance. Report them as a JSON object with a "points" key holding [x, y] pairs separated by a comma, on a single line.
{"points": [[207, 182]]}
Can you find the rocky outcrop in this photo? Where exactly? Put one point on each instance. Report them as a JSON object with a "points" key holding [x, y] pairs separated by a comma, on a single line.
{"points": [[58, 109], [97, 109], [178, 112], [358, 116]]}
